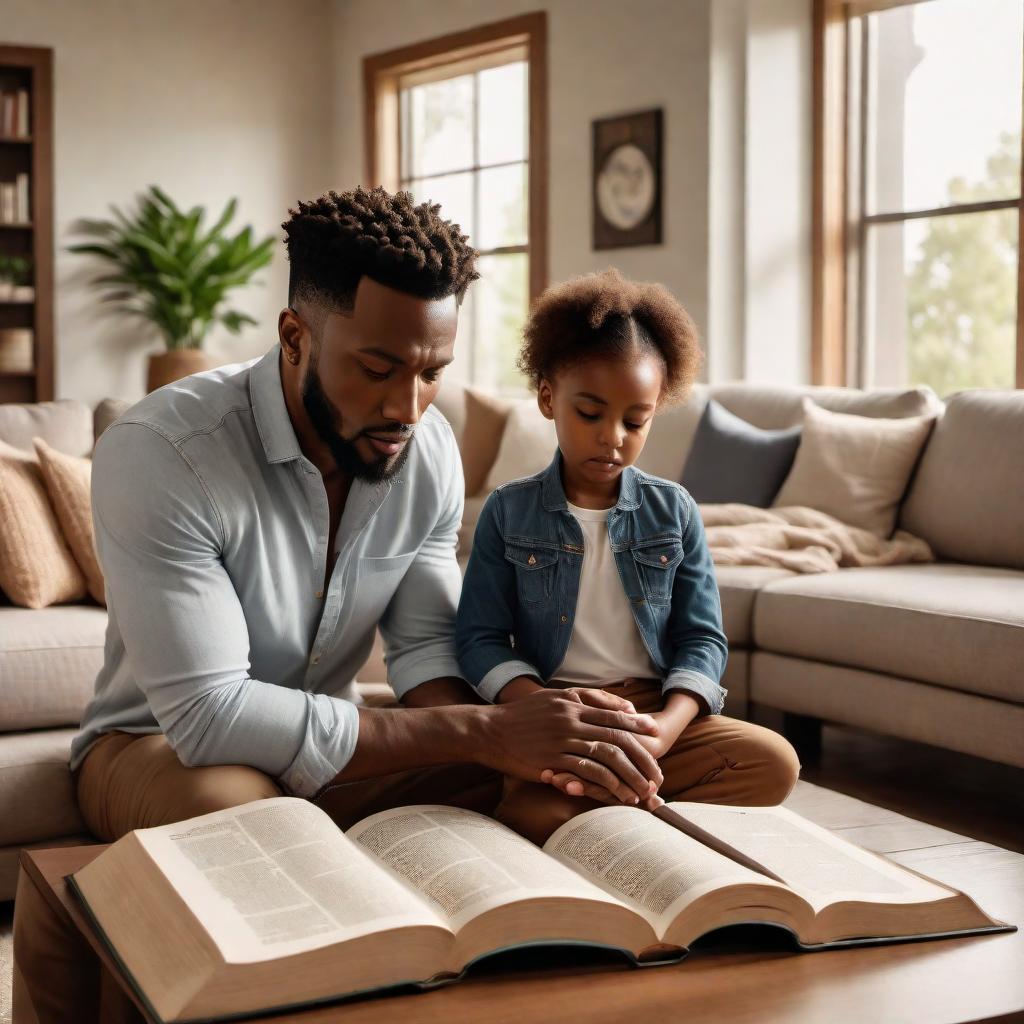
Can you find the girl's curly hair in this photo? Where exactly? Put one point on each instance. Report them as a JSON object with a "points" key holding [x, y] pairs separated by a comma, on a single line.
{"points": [[337, 239], [603, 315]]}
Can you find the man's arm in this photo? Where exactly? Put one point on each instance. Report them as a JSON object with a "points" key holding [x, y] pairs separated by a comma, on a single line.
{"points": [[159, 538], [418, 626]]}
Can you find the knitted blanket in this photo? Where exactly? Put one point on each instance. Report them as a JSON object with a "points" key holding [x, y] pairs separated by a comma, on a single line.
{"points": [[801, 539]]}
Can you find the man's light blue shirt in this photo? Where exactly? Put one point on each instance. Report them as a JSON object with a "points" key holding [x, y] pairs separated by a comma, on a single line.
{"points": [[212, 531]]}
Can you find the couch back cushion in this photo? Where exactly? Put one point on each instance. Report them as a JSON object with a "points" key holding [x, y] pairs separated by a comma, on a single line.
{"points": [[770, 408], [967, 498], [65, 425]]}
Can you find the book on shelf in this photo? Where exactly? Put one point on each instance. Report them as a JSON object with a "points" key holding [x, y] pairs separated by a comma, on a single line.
{"points": [[8, 202], [22, 210], [14, 114], [270, 906]]}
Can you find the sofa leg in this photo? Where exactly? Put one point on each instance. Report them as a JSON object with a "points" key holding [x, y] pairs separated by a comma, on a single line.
{"points": [[804, 732]]}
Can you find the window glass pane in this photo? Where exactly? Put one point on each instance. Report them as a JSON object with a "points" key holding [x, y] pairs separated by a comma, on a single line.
{"points": [[455, 194], [502, 207], [944, 96], [440, 129], [503, 102], [501, 302], [942, 301]]}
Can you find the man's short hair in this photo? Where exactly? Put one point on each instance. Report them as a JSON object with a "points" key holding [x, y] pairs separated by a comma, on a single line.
{"points": [[337, 239]]}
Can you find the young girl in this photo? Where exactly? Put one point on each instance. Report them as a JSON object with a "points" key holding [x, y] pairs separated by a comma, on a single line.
{"points": [[592, 574]]}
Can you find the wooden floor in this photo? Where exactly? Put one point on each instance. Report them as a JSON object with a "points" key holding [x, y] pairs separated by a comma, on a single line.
{"points": [[964, 794]]}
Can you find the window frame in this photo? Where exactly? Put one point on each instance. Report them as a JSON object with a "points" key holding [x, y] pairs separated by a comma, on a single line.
{"points": [[839, 225], [382, 74]]}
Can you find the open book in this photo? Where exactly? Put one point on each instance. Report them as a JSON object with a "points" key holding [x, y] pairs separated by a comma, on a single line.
{"points": [[269, 905]]}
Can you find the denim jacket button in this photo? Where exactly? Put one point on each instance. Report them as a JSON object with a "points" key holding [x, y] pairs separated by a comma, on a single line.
{"points": [[664, 559], [565, 618], [532, 560]]}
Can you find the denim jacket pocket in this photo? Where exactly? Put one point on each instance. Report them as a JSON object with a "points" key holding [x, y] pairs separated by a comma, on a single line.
{"points": [[656, 562], [535, 571]]}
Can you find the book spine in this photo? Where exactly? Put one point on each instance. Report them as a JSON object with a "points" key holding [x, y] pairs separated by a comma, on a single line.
{"points": [[24, 129], [24, 213]]}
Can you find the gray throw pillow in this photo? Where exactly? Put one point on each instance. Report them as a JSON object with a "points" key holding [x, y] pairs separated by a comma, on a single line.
{"points": [[734, 461]]}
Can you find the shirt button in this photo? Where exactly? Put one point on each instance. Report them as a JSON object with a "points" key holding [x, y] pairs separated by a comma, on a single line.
{"points": [[319, 593], [565, 618], [314, 659]]}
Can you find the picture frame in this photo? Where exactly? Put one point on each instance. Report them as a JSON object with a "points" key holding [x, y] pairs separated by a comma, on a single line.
{"points": [[626, 189]]}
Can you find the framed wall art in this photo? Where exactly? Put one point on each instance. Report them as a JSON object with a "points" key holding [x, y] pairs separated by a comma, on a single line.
{"points": [[626, 187]]}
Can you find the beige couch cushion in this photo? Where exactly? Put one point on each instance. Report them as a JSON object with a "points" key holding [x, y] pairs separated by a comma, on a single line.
{"points": [[967, 498], [775, 408], [738, 586], [36, 567], [958, 626], [106, 412], [527, 445], [67, 480], [855, 468], [36, 790], [486, 416], [65, 425], [49, 659], [892, 706], [770, 408]]}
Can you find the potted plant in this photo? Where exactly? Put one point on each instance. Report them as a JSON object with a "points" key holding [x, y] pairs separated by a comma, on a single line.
{"points": [[16, 279], [170, 271]]}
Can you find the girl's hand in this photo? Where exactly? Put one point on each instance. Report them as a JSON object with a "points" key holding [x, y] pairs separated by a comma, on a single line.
{"points": [[680, 709]]}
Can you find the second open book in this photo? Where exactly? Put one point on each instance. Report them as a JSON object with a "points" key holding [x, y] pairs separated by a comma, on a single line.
{"points": [[269, 905]]}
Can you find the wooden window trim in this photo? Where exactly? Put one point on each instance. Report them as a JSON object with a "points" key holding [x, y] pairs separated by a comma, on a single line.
{"points": [[832, 234], [381, 75]]}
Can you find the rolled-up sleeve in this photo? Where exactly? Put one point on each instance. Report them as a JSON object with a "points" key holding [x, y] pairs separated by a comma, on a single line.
{"points": [[699, 646], [159, 538], [418, 626]]}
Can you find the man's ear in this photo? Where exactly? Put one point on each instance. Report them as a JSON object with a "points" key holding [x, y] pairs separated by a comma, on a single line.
{"points": [[545, 399], [290, 332]]}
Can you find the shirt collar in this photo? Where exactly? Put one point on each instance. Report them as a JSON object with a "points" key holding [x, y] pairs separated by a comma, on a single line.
{"points": [[552, 492], [269, 410]]}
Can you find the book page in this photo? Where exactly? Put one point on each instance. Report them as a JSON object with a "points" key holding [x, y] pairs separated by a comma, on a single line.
{"points": [[652, 866], [277, 877], [818, 865], [464, 862]]}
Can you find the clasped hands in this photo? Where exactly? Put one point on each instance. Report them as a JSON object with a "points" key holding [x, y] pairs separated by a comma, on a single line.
{"points": [[587, 742]]}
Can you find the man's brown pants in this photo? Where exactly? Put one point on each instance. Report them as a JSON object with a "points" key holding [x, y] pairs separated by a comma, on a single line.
{"points": [[136, 781]]}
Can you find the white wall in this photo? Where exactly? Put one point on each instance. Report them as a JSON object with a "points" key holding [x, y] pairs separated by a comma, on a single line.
{"points": [[605, 57], [206, 99]]}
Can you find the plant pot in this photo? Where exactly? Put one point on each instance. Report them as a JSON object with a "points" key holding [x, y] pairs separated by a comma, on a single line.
{"points": [[168, 367], [15, 350]]}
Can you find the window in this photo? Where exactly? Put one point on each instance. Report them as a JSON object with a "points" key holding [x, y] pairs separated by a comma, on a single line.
{"points": [[462, 126], [920, 276]]}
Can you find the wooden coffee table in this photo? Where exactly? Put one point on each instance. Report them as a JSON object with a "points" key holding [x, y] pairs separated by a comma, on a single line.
{"points": [[732, 976]]}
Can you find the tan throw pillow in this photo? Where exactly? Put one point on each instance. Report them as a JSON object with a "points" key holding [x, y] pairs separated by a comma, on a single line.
{"points": [[67, 482], [36, 567], [527, 445], [486, 416], [855, 468]]}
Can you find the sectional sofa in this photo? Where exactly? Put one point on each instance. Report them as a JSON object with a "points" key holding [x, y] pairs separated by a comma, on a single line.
{"points": [[930, 652]]}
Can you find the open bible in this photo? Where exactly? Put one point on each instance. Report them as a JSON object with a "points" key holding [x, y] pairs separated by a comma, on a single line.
{"points": [[269, 905]]}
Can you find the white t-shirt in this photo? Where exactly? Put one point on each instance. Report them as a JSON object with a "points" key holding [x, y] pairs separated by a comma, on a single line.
{"points": [[606, 646]]}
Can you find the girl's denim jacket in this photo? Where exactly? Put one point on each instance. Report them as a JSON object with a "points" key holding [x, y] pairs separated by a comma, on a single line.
{"points": [[522, 583]]}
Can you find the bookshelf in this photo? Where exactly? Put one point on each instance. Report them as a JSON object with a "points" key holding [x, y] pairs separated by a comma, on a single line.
{"points": [[28, 70]]}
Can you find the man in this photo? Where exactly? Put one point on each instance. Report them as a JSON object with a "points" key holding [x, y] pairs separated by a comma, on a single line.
{"points": [[256, 524]]}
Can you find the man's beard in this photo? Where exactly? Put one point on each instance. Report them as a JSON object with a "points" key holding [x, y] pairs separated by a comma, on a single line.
{"points": [[326, 418]]}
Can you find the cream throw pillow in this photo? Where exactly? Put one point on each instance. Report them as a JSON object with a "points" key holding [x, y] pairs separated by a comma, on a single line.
{"points": [[855, 468], [67, 482], [36, 567], [527, 445]]}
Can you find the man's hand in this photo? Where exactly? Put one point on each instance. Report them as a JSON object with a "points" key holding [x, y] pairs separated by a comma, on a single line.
{"points": [[678, 711], [590, 733]]}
